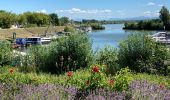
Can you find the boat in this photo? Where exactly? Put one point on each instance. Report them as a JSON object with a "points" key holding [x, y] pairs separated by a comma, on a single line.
{"points": [[45, 40], [32, 40], [161, 37]]}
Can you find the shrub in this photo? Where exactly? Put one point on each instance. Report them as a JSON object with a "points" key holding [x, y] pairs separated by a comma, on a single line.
{"points": [[122, 79], [66, 54], [69, 29], [97, 78], [142, 54], [73, 52], [96, 26], [108, 57], [5, 53]]}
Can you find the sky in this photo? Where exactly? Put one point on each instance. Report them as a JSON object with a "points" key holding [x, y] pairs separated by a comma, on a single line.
{"points": [[88, 9]]}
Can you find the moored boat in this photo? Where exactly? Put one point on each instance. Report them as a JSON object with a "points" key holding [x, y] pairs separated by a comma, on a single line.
{"points": [[161, 37], [32, 40]]}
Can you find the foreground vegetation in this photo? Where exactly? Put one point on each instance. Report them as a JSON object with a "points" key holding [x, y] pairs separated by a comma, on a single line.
{"points": [[124, 85], [69, 69]]}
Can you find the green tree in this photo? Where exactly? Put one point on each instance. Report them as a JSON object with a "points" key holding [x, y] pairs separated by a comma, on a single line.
{"points": [[54, 19], [64, 20], [6, 19], [39, 19], [164, 16], [21, 19]]}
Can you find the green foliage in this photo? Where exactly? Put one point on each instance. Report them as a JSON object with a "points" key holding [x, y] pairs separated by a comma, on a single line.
{"points": [[36, 18], [5, 53], [108, 57], [68, 53], [96, 26], [165, 16], [96, 79], [123, 78], [69, 29], [142, 54], [74, 52], [64, 21], [6, 19], [54, 19], [145, 25]]}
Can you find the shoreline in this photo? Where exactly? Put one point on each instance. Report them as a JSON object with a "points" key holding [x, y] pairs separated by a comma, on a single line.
{"points": [[28, 32]]}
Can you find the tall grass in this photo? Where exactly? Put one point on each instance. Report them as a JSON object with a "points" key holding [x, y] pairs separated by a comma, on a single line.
{"points": [[5, 53]]}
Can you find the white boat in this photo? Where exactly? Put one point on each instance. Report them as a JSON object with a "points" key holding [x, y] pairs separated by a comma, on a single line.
{"points": [[45, 40], [33, 40], [162, 37]]}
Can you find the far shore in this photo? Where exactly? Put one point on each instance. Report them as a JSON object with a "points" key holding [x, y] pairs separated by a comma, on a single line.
{"points": [[28, 32]]}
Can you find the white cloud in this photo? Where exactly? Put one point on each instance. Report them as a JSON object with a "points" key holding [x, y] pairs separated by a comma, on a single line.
{"points": [[147, 12], [153, 14], [151, 4], [42, 11], [157, 13], [80, 11], [160, 5]]}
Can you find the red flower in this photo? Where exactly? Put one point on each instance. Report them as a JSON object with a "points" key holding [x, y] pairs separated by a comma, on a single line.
{"points": [[69, 73], [111, 82], [162, 86], [87, 82], [96, 69], [11, 71]]}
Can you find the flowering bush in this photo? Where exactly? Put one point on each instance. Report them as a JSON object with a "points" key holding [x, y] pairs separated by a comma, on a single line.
{"points": [[69, 73], [97, 78]]}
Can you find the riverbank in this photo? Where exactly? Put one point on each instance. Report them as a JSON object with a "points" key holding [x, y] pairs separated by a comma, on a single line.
{"points": [[28, 32]]}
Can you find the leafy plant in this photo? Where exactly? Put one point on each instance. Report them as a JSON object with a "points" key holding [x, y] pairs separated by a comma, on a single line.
{"points": [[108, 57], [122, 79], [5, 53], [66, 54], [142, 54]]}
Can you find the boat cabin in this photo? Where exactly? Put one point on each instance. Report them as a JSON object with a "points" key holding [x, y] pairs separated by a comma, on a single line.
{"points": [[31, 40]]}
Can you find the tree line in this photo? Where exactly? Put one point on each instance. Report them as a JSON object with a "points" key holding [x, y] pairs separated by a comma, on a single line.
{"points": [[163, 23], [30, 19]]}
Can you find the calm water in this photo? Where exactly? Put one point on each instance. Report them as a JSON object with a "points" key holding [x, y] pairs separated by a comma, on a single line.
{"points": [[111, 36]]}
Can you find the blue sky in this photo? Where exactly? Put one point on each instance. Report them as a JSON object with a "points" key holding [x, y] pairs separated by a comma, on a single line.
{"points": [[89, 9]]}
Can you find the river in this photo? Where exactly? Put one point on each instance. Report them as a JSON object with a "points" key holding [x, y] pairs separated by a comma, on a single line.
{"points": [[111, 35]]}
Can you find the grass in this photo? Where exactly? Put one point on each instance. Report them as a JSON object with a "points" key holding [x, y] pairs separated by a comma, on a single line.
{"points": [[28, 32]]}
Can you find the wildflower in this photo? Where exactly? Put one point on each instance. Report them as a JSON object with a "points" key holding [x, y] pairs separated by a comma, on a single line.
{"points": [[11, 71], [96, 69], [69, 73], [87, 82], [111, 82], [162, 86]]}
